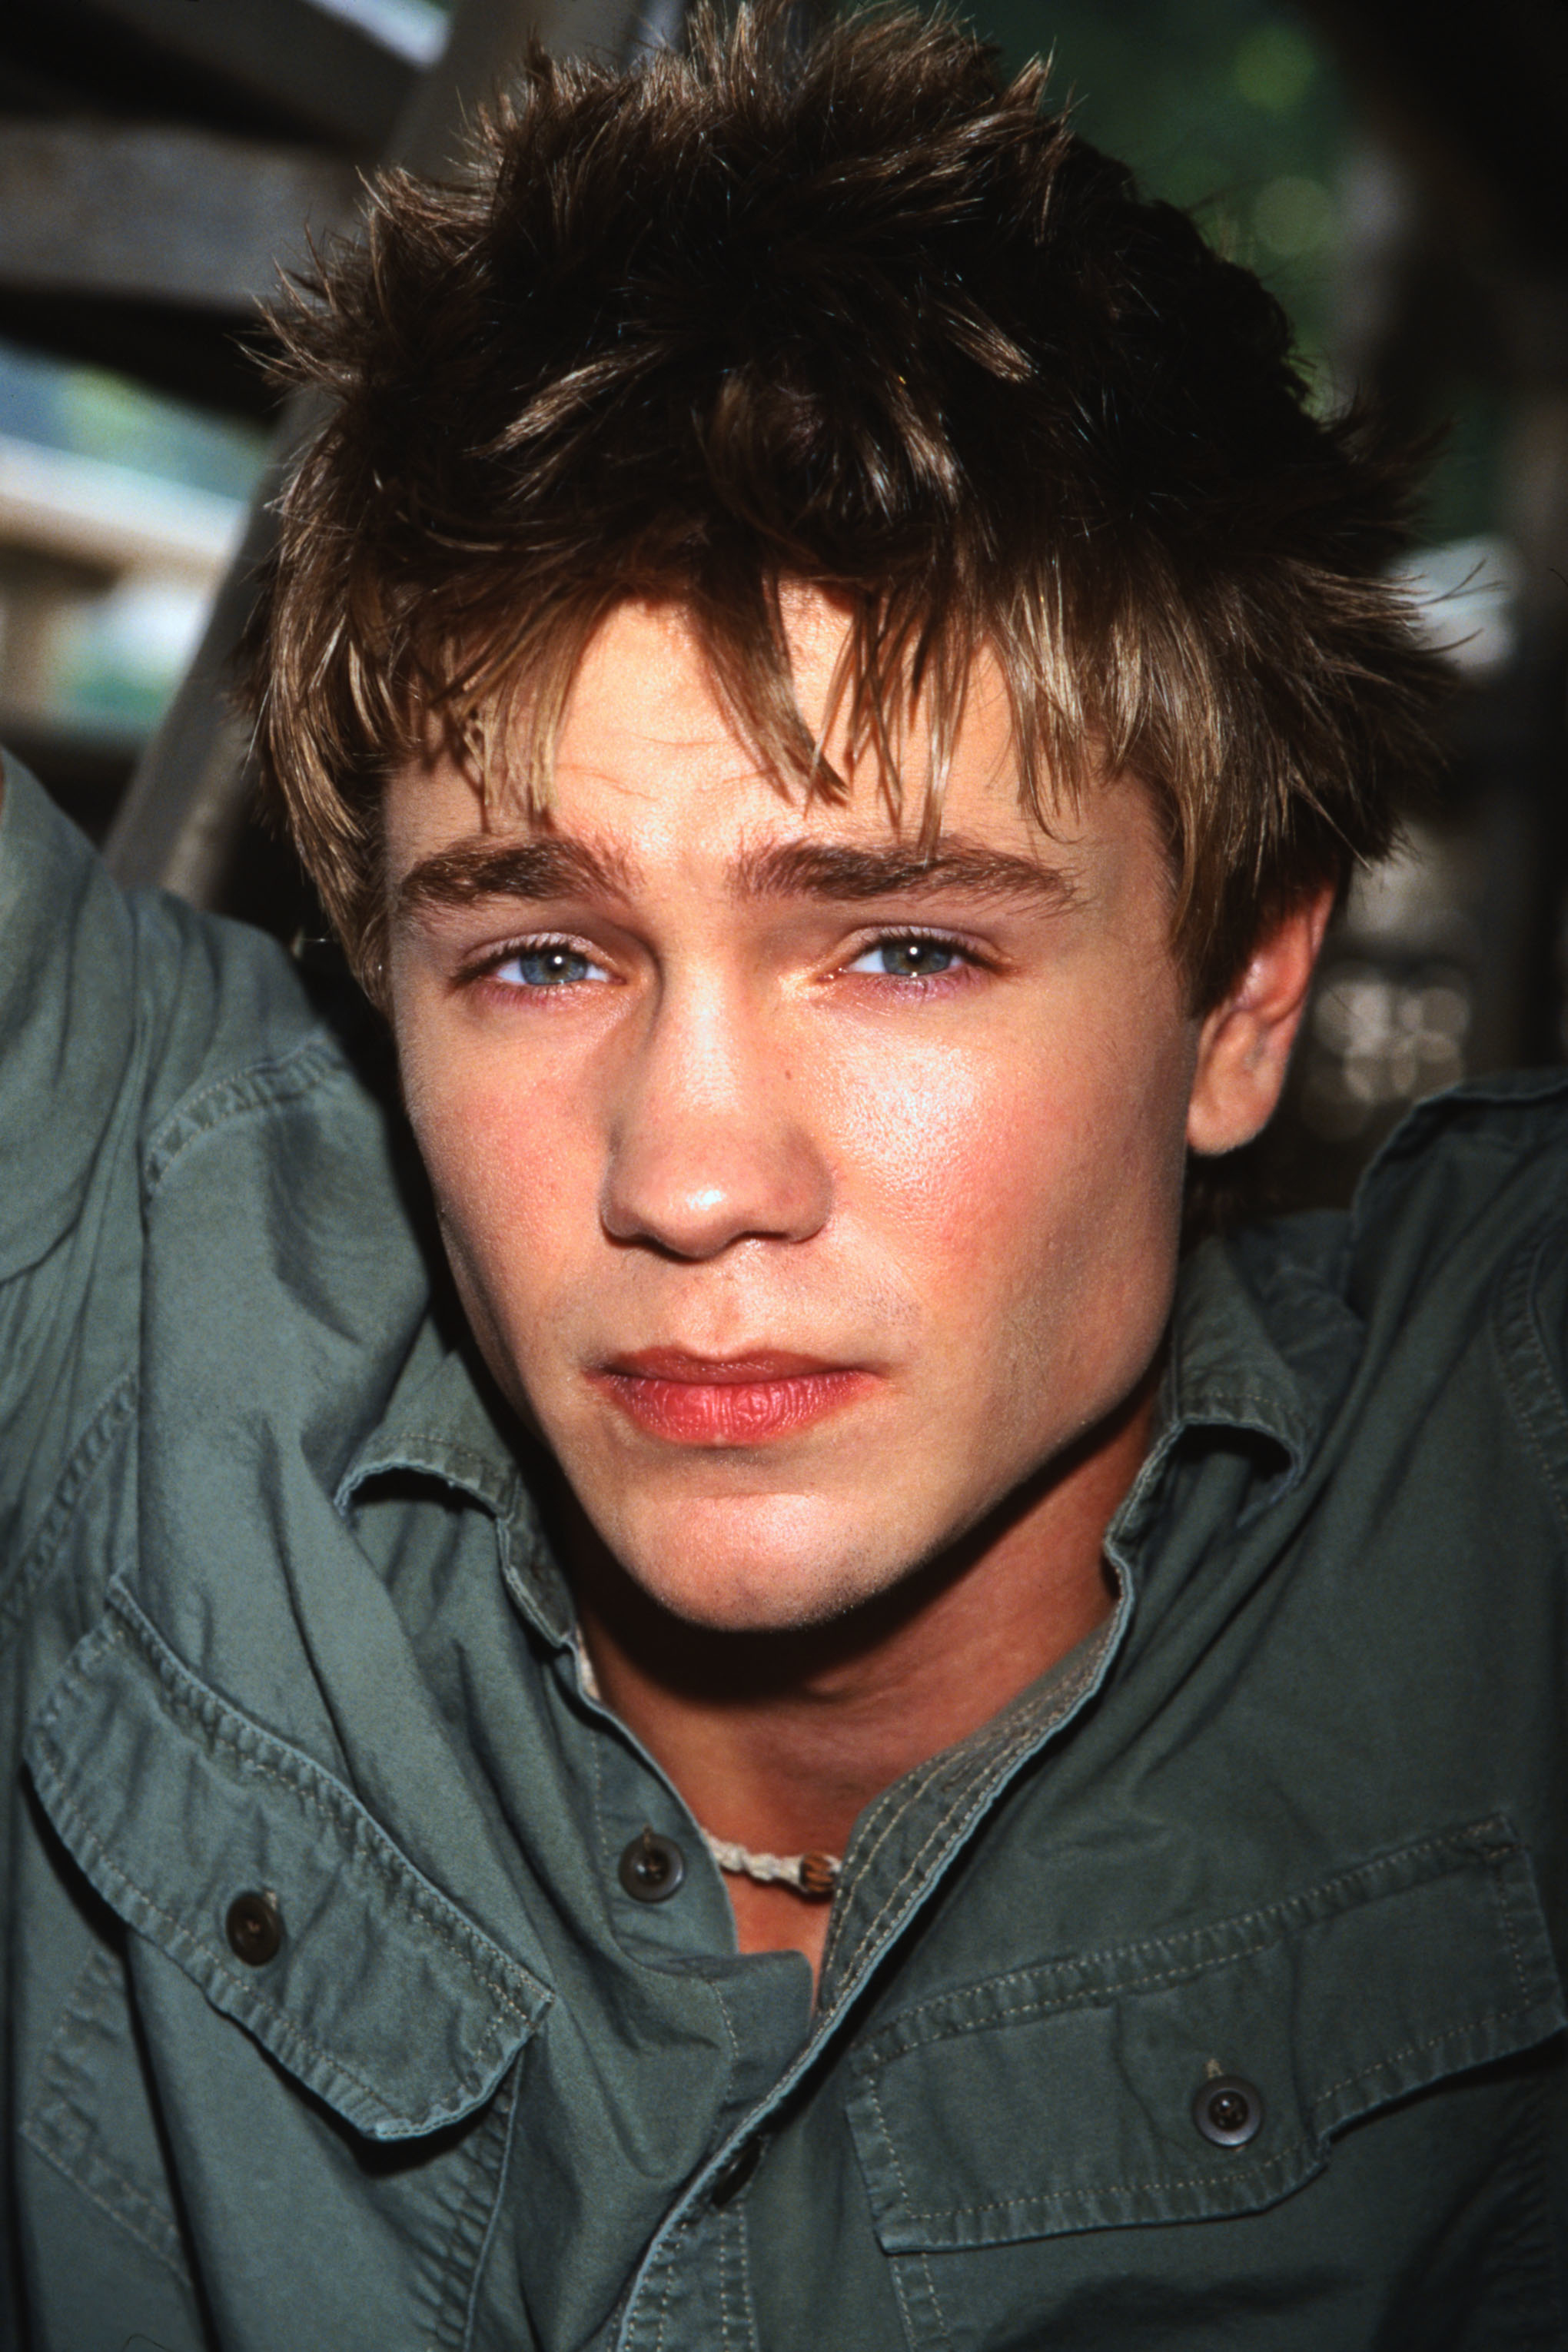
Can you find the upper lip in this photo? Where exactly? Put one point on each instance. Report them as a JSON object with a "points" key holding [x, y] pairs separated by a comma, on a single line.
{"points": [[758, 1364]]}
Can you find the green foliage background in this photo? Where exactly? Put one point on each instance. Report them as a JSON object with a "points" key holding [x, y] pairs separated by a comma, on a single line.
{"points": [[1231, 108]]}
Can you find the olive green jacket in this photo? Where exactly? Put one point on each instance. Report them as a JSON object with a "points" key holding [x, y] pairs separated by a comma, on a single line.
{"points": [[1210, 1995]]}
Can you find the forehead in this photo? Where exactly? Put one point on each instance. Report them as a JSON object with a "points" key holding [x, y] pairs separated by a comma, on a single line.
{"points": [[651, 770]]}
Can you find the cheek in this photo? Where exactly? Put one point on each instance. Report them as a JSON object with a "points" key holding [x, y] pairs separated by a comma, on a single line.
{"points": [[507, 1167], [1030, 1155], [1035, 1209]]}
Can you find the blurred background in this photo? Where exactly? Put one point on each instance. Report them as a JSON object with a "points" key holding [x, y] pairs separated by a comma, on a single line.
{"points": [[1396, 173]]}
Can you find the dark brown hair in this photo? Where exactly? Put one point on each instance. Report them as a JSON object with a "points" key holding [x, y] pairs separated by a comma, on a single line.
{"points": [[860, 314]]}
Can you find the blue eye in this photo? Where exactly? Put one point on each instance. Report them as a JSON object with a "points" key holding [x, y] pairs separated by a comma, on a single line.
{"points": [[547, 967], [908, 959]]}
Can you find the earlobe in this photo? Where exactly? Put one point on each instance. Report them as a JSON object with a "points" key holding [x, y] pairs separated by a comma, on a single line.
{"points": [[1244, 1044]]}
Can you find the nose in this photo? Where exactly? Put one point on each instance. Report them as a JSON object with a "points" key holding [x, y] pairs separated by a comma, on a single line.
{"points": [[710, 1139]]}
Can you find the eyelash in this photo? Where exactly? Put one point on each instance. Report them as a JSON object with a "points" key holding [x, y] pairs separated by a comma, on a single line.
{"points": [[967, 957], [482, 970]]}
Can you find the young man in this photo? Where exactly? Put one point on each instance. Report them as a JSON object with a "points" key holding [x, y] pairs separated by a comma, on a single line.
{"points": [[777, 1729]]}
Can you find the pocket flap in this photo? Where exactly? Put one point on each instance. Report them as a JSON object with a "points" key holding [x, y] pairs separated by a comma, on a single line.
{"points": [[382, 1998], [1062, 2097]]}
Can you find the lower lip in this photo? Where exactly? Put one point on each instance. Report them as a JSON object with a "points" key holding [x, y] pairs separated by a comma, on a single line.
{"points": [[730, 1412]]}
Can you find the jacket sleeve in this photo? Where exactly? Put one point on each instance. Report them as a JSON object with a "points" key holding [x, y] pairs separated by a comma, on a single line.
{"points": [[112, 1010], [68, 1019]]}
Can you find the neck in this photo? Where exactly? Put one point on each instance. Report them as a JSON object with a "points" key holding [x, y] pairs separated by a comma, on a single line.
{"points": [[779, 1740]]}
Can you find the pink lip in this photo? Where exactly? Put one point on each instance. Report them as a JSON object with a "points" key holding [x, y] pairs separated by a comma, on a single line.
{"points": [[727, 1401]]}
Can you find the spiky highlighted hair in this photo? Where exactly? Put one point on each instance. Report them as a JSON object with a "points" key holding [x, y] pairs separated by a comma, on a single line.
{"points": [[857, 314]]}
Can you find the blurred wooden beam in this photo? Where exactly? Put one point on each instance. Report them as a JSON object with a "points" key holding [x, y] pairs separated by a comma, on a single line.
{"points": [[197, 356], [78, 509], [190, 218], [184, 812], [297, 60]]}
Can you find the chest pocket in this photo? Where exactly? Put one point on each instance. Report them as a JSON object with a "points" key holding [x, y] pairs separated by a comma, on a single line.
{"points": [[174, 1805], [1068, 2097]]}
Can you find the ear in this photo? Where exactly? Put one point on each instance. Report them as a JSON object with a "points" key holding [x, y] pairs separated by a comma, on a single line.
{"points": [[1244, 1044]]}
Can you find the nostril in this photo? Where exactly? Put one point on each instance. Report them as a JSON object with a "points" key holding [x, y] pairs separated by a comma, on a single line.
{"points": [[691, 1190]]}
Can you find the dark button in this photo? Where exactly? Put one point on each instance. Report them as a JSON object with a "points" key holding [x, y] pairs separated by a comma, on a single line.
{"points": [[255, 1929], [1228, 2111], [652, 1867], [728, 2182]]}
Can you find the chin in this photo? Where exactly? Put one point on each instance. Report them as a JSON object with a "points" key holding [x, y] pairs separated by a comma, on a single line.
{"points": [[751, 1580]]}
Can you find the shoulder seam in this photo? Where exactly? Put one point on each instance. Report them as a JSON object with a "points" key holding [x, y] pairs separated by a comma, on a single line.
{"points": [[1534, 1390], [259, 1085], [1459, 1111]]}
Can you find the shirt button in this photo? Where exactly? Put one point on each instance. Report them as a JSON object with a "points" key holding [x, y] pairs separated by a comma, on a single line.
{"points": [[731, 2177], [652, 1867], [255, 1929], [1229, 2111]]}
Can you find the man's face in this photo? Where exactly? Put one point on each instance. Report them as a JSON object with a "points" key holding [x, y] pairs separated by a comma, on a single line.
{"points": [[805, 1198]]}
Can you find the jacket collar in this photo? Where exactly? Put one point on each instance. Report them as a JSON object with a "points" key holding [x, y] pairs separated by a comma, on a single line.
{"points": [[446, 1420], [1262, 1340]]}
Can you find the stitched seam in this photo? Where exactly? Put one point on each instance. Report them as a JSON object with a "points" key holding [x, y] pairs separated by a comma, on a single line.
{"points": [[1525, 1420], [975, 1780], [1035, 1724], [479, 2155], [1220, 1397], [258, 1087], [724, 2220], [151, 2241], [664, 2299], [150, 2223], [382, 1868], [448, 1448], [1418, 2049], [935, 2299], [447, 1458], [304, 1784], [730, 2035], [896, 1808], [748, 2308], [90, 1450], [936, 1836], [890, 1901], [1511, 1924], [1078, 2198], [1278, 1914], [888, 2142], [989, 1771], [1063, 2199], [601, 1828], [486, 2190], [1522, 1333], [1460, 1111], [472, 2317], [181, 1936], [84, 2005], [904, 2311], [993, 1769]]}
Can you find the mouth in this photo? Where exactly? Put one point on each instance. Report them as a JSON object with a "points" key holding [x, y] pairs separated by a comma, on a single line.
{"points": [[727, 1401]]}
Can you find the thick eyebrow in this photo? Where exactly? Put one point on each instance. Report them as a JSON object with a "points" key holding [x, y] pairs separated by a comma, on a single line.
{"points": [[810, 869], [555, 866], [551, 865]]}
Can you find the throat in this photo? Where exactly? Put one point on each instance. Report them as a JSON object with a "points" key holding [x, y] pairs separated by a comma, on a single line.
{"points": [[778, 1741], [777, 1919]]}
